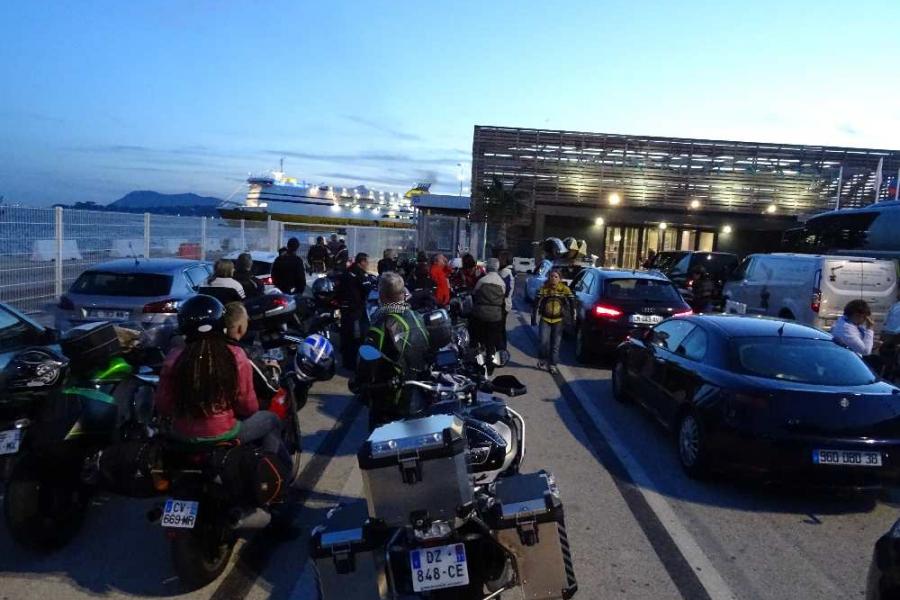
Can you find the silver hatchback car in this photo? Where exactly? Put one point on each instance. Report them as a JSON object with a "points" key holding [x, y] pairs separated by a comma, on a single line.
{"points": [[144, 292]]}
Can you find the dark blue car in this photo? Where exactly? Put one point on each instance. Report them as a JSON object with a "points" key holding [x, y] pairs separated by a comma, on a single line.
{"points": [[766, 396]]}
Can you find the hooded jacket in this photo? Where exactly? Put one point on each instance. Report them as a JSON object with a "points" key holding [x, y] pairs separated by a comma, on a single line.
{"points": [[489, 297]]}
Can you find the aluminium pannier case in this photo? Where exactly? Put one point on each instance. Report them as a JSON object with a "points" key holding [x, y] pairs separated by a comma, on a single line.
{"points": [[348, 550], [528, 520], [416, 470], [91, 344]]}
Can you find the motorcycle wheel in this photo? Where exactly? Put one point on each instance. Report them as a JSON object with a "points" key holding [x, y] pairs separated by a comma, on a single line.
{"points": [[200, 556], [44, 507]]}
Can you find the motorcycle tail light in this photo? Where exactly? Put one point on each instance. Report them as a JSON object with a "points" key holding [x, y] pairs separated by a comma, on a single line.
{"points": [[279, 404]]}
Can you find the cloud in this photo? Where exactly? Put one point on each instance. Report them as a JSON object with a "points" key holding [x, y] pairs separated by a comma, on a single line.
{"points": [[383, 128]]}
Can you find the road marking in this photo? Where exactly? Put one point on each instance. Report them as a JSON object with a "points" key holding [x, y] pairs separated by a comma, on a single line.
{"points": [[709, 577]]}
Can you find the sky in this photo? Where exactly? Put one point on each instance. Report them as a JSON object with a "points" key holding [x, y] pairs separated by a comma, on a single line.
{"points": [[101, 98]]}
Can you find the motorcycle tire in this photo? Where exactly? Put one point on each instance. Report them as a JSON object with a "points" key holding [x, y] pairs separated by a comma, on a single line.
{"points": [[44, 507], [200, 556]]}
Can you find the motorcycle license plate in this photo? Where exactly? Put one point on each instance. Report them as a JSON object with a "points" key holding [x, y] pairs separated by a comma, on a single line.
{"points": [[439, 567], [180, 513], [847, 458], [10, 440]]}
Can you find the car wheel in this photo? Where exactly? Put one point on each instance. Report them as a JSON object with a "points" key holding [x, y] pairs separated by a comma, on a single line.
{"points": [[619, 382], [692, 451], [582, 350]]}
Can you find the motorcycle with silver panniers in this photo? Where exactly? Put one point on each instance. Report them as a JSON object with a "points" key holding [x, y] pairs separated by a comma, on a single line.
{"points": [[447, 512]]}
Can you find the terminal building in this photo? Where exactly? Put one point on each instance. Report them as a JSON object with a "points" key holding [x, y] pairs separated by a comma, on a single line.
{"points": [[628, 194]]}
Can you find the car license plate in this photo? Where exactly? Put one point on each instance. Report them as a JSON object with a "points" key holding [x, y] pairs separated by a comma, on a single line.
{"points": [[10, 440], [439, 567], [109, 314], [180, 513], [645, 319], [850, 458]]}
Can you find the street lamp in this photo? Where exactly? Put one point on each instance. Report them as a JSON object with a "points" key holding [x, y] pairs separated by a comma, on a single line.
{"points": [[614, 199]]}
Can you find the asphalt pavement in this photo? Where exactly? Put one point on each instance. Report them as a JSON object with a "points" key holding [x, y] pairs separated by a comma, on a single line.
{"points": [[639, 528]]}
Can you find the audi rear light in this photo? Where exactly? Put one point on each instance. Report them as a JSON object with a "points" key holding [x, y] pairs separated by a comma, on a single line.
{"points": [[607, 312], [684, 313], [169, 307], [816, 303], [65, 303]]}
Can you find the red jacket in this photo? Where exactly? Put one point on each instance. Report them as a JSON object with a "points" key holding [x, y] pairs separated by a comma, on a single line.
{"points": [[440, 275], [216, 424]]}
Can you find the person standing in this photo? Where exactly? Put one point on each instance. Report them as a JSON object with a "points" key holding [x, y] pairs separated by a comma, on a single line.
{"points": [[243, 274], [352, 295], [288, 272], [440, 275], [508, 275], [223, 277], [489, 299], [333, 245], [553, 305], [318, 256], [342, 256], [469, 274], [854, 328], [388, 263]]}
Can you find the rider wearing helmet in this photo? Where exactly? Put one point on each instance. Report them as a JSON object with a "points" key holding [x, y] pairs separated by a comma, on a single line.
{"points": [[400, 334], [206, 387]]}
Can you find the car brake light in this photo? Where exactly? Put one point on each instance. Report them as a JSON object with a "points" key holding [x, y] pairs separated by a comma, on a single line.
{"points": [[65, 303], [266, 280], [607, 312], [685, 313], [161, 307], [816, 302]]}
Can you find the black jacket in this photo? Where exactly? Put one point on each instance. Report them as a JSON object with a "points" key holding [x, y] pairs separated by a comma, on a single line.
{"points": [[318, 254], [252, 286], [289, 274], [353, 291]]}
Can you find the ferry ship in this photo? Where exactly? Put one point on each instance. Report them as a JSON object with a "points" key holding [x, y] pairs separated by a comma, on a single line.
{"points": [[286, 199]]}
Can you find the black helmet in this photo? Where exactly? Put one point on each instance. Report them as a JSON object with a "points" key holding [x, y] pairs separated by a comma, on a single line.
{"points": [[200, 316], [322, 288]]}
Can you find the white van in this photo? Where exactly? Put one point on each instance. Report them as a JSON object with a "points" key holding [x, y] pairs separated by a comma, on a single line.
{"points": [[523, 264], [811, 289]]}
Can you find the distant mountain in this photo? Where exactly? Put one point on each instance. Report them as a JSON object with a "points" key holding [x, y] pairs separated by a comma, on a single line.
{"points": [[168, 204]]}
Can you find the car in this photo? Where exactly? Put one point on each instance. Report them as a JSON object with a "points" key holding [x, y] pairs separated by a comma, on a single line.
{"points": [[884, 571], [143, 293], [764, 396], [677, 265], [610, 303], [18, 332], [811, 289], [567, 269], [262, 266]]}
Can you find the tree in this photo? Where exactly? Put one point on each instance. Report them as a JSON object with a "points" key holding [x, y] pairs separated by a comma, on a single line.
{"points": [[503, 205]]}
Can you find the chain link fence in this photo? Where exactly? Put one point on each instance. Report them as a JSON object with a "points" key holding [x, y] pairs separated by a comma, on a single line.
{"points": [[44, 250]]}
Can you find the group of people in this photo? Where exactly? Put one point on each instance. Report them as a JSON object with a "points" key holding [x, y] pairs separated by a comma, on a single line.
{"points": [[331, 255]]}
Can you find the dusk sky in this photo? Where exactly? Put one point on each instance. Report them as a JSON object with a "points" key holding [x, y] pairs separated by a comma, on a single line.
{"points": [[101, 98]]}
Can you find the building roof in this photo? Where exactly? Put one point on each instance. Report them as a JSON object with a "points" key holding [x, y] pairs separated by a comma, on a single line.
{"points": [[442, 202]]}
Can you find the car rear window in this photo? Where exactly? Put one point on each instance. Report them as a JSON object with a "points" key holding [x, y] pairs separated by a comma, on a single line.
{"points": [[261, 268], [640, 289], [820, 362], [666, 260], [99, 283], [717, 265]]}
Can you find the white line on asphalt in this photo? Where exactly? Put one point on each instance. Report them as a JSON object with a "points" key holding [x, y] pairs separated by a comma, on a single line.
{"points": [[709, 577]]}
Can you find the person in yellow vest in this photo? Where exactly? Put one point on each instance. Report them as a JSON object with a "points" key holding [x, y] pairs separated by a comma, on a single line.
{"points": [[553, 306]]}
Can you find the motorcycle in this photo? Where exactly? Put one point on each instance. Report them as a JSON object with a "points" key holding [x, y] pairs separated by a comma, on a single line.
{"points": [[73, 404], [447, 513]]}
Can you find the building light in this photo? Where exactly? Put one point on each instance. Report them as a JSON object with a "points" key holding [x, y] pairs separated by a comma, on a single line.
{"points": [[663, 225], [695, 204], [335, 207], [617, 238], [599, 221], [356, 208], [771, 209], [726, 230], [614, 199]]}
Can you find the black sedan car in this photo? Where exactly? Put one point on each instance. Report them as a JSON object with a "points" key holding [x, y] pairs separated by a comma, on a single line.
{"points": [[609, 303], [763, 395], [884, 571]]}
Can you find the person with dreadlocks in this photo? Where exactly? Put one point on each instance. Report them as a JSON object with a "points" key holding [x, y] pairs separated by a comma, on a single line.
{"points": [[399, 333], [206, 387]]}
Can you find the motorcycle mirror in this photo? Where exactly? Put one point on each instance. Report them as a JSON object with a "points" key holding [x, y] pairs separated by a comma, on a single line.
{"points": [[508, 385], [369, 353]]}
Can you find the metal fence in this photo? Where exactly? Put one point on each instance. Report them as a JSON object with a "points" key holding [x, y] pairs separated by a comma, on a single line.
{"points": [[43, 250]]}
